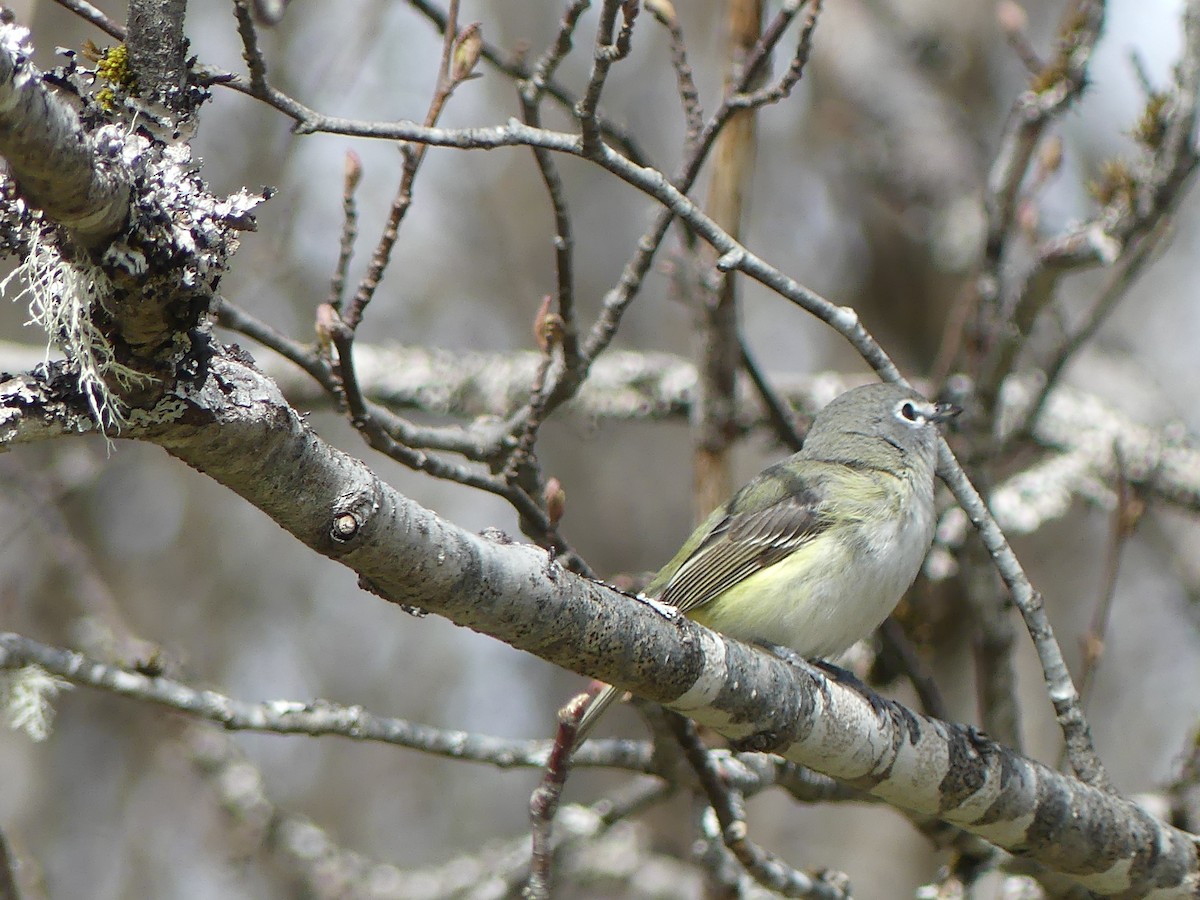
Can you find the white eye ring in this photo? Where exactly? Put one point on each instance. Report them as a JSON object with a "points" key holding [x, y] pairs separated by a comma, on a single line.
{"points": [[907, 411]]}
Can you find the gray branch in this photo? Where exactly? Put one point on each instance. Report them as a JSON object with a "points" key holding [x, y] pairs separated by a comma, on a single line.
{"points": [[158, 50], [314, 718], [234, 425], [74, 177]]}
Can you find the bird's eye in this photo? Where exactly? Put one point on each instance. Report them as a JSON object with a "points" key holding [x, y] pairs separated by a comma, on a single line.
{"points": [[908, 411]]}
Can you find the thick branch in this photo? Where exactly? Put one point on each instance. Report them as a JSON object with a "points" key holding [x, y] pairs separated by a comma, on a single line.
{"points": [[158, 50], [74, 178], [234, 425]]}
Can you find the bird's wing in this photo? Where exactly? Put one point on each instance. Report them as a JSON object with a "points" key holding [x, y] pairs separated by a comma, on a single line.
{"points": [[742, 543]]}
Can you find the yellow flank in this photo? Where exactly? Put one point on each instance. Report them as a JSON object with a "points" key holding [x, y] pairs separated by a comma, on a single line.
{"points": [[753, 607]]}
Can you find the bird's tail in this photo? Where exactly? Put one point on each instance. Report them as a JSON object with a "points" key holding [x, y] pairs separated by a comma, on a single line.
{"points": [[594, 711]]}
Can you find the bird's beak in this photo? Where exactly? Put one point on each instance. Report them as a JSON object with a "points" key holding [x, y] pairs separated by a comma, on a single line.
{"points": [[944, 412]]}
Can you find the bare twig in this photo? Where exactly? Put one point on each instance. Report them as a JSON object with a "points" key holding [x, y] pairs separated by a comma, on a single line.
{"points": [[1058, 85], [783, 88], [449, 77], [1123, 274], [1127, 515], [350, 181], [689, 96], [363, 417], [895, 640], [516, 69], [85, 10], [251, 52], [765, 868], [778, 414], [313, 718], [543, 803], [1060, 688], [993, 648], [531, 92], [541, 76], [608, 51]]}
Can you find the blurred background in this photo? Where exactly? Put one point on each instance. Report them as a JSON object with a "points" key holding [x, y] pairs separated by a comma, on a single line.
{"points": [[867, 189]]}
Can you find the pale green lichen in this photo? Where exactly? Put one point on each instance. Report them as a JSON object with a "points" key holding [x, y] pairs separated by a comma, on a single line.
{"points": [[26, 699], [63, 295]]}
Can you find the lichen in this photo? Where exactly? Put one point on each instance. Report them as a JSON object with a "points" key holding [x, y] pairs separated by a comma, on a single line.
{"points": [[63, 295]]}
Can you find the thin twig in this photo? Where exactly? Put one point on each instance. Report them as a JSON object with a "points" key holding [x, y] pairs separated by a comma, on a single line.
{"points": [[765, 868], [689, 96], [313, 718], [233, 317], [919, 676], [543, 803], [516, 69], [607, 51], [367, 423], [350, 181], [413, 155], [85, 10], [778, 414], [1061, 690], [1127, 515], [251, 52], [783, 88], [1119, 280], [530, 94], [542, 75]]}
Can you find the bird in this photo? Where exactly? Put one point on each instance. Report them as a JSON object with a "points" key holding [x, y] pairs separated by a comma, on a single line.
{"points": [[814, 552]]}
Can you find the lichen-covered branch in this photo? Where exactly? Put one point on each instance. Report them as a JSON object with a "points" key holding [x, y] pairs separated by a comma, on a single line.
{"points": [[232, 423], [75, 178]]}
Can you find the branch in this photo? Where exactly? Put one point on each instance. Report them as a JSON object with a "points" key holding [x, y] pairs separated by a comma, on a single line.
{"points": [[74, 177], [158, 52], [314, 718], [233, 424]]}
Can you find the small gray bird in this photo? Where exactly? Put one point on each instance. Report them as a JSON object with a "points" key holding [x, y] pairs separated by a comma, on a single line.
{"points": [[815, 552]]}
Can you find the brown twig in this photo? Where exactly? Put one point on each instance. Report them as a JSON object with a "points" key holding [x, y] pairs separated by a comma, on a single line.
{"points": [[919, 676], [350, 181], [531, 92], [449, 77], [1127, 515], [543, 803], [1050, 92], [514, 68]]}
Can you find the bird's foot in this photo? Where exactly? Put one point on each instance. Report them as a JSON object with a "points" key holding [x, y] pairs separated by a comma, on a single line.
{"points": [[787, 654], [879, 705]]}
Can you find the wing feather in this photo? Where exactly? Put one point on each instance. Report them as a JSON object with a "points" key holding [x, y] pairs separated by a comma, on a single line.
{"points": [[742, 543]]}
